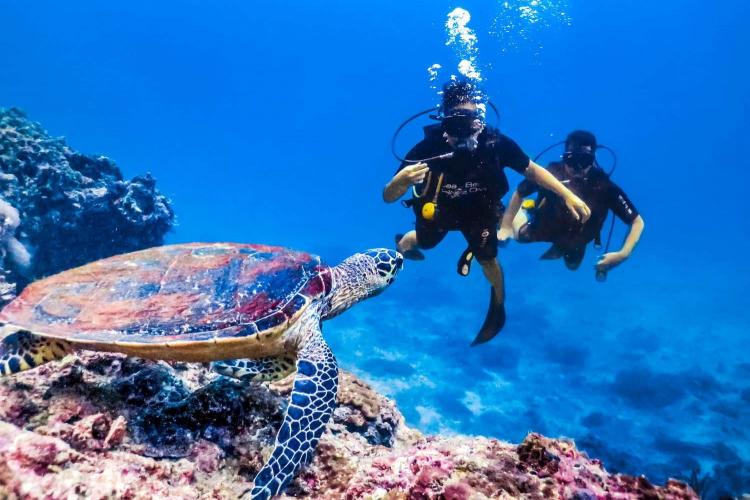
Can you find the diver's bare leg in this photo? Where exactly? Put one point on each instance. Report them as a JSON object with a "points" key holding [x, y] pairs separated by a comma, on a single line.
{"points": [[494, 274], [407, 245], [407, 242]]}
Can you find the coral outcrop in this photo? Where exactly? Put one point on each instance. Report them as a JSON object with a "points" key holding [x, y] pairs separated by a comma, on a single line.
{"points": [[53, 198], [106, 426]]}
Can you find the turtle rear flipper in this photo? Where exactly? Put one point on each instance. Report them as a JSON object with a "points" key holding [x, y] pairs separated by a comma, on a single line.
{"points": [[21, 350], [256, 370], [312, 403]]}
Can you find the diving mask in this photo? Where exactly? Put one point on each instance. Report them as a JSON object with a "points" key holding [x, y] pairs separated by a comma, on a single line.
{"points": [[464, 126], [580, 156]]}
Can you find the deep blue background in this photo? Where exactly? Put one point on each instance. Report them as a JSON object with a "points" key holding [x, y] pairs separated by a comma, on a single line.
{"points": [[270, 122]]}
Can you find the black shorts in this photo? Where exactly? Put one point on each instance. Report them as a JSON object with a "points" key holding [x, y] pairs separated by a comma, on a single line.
{"points": [[572, 251], [480, 233]]}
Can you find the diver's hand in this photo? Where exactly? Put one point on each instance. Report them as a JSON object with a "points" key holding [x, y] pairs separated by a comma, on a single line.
{"points": [[403, 180], [504, 235], [581, 212], [610, 260], [413, 174]]}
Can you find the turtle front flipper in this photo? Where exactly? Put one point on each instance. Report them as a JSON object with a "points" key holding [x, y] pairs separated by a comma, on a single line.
{"points": [[21, 350], [256, 370], [312, 403]]}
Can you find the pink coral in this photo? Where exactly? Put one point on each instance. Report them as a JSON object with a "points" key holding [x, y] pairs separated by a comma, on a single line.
{"points": [[103, 426]]}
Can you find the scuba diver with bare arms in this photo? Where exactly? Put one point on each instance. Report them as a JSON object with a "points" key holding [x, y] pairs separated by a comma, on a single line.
{"points": [[457, 170]]}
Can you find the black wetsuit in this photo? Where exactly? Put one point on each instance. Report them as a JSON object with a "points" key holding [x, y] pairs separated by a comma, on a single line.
{"points": [[552, 221], [471, 191]]}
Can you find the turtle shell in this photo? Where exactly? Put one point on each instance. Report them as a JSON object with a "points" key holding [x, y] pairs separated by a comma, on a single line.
{"points": [[180, 293]]}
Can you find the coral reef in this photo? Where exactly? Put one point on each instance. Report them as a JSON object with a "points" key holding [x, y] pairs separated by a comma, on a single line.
{"points": [[53, 197], [107, 426]]}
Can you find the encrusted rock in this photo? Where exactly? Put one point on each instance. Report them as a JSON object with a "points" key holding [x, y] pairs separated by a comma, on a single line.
{"points": [[107, 426], [53, 198]]}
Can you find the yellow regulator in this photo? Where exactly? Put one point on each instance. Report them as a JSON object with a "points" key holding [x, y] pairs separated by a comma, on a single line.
{"points": [[428, 210]]}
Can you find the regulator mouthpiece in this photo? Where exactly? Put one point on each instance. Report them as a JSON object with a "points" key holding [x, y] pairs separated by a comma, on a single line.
{"points": [[463, 126], [468, 144]]}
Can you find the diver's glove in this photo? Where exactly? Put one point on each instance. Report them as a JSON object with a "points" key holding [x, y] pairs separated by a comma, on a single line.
{"points": [[493, 323]]}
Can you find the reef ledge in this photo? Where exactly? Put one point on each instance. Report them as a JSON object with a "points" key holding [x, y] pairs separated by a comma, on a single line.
{"points": [[107, 426]]}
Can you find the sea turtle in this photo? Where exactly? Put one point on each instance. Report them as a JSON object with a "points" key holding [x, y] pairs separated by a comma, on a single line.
{"points": [[253, 310]]}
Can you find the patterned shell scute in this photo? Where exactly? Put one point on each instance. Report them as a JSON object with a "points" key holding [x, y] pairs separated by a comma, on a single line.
{"points": [[190, 292]]}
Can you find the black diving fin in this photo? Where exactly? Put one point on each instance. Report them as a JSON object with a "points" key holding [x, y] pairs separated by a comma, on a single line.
{"points": [[493, 323], [463, 267]]}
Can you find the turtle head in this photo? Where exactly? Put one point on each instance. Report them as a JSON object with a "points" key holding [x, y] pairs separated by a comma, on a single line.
{"points": [[361, 276]]}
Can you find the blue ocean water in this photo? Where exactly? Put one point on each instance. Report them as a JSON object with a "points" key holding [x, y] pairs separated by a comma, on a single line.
{"points": [[270, 122]]}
